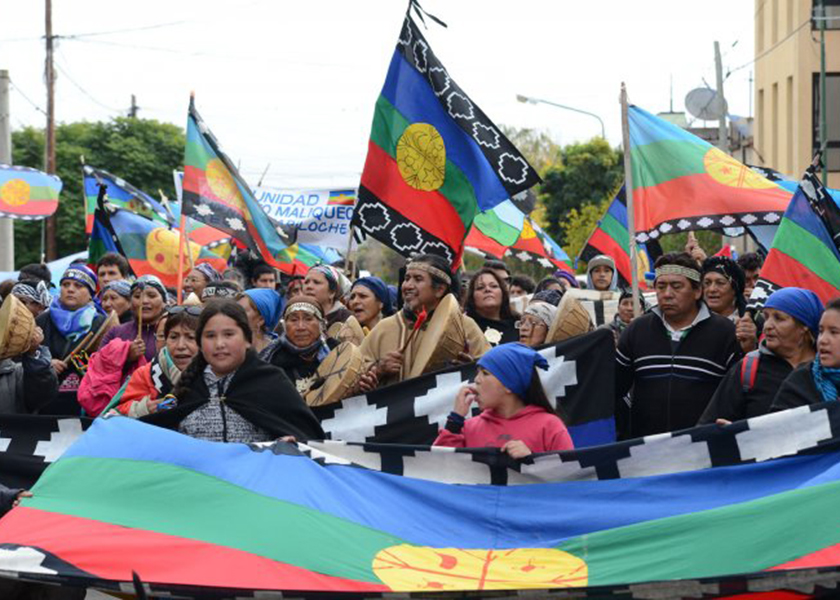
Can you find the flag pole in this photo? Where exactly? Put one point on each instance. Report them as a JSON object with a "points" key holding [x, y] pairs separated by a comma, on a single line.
{"points": [[350, 262], [181, 257], [628, 195]]}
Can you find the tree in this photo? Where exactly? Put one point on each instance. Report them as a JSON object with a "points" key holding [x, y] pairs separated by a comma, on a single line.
{"points": [[588, 173], [579, 224], [536, 146], [141, 151]]}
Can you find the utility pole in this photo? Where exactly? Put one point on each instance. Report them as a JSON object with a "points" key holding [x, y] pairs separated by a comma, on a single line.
{"points": [[49, 159], [823, 104], [7, 231], [132, 112], [723, 137]]}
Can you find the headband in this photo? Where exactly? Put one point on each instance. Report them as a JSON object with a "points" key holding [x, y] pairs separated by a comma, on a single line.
{"points": [[687, 272], [304, 307], [83, 275], [431, 270], [330, 273], [149, 281], [32, 290]]}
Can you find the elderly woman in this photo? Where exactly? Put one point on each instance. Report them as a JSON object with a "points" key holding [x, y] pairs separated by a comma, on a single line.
{"points": [[370, 300], [197, 279], [263, 306], [148, 302], [65, 324], [116, 296], [324, 283], [535, 322], [488, 304], [818, 380], [34, 294], [227, 394], [149, 384], [302, 344], [791, 322]]}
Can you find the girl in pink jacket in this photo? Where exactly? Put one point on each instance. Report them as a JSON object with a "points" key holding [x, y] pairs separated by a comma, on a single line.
{"points": [[516, 414]]}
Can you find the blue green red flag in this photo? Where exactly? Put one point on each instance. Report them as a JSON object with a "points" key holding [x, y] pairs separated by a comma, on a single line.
{"points": [[215, 194], [107, 508], [27, 194], [805, 251], [121, 194], [682, 183], [435, 160]]}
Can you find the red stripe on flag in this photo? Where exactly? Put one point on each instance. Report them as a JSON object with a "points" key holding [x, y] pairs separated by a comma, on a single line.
{"points": [[606, 245], [477, 239], [195, 181], [31, 208], [694, 196], [430, 211], [786, 271], [113, 552]]}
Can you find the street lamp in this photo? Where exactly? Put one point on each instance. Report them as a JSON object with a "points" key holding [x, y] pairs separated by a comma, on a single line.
{"points": [[529, 100]]}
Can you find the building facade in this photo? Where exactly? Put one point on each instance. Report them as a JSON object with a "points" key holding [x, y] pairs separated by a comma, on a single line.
{"points": [[787, 91]]}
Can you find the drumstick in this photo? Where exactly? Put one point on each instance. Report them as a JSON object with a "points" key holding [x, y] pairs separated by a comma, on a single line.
{"points": [[140, 322], [79, 346], [421, 318]]}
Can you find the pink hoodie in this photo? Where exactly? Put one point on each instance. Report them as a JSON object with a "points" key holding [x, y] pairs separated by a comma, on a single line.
{"points": [[540, 430]]}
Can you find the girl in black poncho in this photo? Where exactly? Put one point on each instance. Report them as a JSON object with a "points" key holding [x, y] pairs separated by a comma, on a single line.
{"points": [[228, 394]]}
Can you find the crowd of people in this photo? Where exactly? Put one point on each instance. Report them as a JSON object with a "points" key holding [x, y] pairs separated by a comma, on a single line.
{"points": [[238, 358]]}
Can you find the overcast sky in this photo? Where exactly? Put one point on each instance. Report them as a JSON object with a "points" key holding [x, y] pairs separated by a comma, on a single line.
{"points": [[293, 83]]}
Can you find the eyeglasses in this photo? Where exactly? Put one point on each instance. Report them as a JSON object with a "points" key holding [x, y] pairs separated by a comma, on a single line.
{"points": [[530, 324], [194, 311]]}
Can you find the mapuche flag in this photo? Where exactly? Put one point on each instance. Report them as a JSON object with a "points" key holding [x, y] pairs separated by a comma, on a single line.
{"points": [[683, 183], [121, 194], [805, 249], [215, 194], [27, 194], [434, 158]]}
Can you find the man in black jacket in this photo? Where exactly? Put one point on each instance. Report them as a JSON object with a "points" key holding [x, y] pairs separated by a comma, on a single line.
{"points": [[673, 357]]}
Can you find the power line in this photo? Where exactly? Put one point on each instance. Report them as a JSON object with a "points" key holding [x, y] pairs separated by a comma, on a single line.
{"points": [[75, 36], [84, 91], [769, 50], [25, 97]]}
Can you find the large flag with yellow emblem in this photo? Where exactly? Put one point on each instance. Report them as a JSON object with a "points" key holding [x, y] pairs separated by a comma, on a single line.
{"points": [[215, 194], [683, 183], [434, 158], [27, 194]]}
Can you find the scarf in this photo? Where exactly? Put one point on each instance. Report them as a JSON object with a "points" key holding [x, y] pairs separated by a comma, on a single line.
{"points": [[164, 373], [72, 324], [33, 290], [318, 346], [826, 379]]}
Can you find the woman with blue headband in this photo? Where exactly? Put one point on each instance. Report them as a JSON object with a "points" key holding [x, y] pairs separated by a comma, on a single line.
{"points": [[516, 416]]}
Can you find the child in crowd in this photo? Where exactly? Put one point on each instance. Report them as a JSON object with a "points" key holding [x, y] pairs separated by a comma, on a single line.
{"points": [[516, 414]]}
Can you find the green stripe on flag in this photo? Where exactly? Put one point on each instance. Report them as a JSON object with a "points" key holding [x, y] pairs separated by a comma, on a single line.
{"points": [[197, 154], [663, 161], [616, 231], [492, 226], [801, 245], [742, 538], [209, 509], [389, 125]]}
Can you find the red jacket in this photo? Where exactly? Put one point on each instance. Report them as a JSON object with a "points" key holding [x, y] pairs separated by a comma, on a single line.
{"points": [[105, 374], [540, 430], [139, 386]]}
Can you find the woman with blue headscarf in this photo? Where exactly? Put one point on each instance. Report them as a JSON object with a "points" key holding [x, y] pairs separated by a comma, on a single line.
{"points": [[791, 321], [818, 380], [264, 308], [370, 300], [516, 415]]}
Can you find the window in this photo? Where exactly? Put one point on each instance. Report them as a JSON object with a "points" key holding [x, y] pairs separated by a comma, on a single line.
{"points": [[832, 96], [832, 13]]}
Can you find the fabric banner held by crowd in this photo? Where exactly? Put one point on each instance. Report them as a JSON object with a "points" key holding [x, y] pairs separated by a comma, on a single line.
{"points": [[580, 377], [694, 504]]}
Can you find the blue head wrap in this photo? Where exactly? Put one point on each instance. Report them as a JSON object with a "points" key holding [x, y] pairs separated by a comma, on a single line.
{"points": [[512, 364], [803, 305], [268, 304], [380, 290], [120, 286], [80, 273]]}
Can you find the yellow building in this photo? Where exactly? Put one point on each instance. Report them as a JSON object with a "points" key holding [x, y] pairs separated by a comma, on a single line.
{"points": [[787, 68]]}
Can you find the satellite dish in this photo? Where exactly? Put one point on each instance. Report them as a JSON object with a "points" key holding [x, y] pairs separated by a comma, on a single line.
{"points": [[705, 104]]}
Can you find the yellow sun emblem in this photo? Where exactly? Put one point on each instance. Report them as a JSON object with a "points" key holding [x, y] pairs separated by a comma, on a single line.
{"points": [[162, 251], [223, 185], [421, 157], [407, 568], [15, 192], [728, 171], [527, 230]]}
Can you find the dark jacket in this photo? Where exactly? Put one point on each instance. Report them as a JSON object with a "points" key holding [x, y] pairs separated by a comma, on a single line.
{"points": [[798, 389], [301, 372], [507, 327], [672, 381], [27, 385], [64, 402], [732, 403], [261, 393], [7, 498]]}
